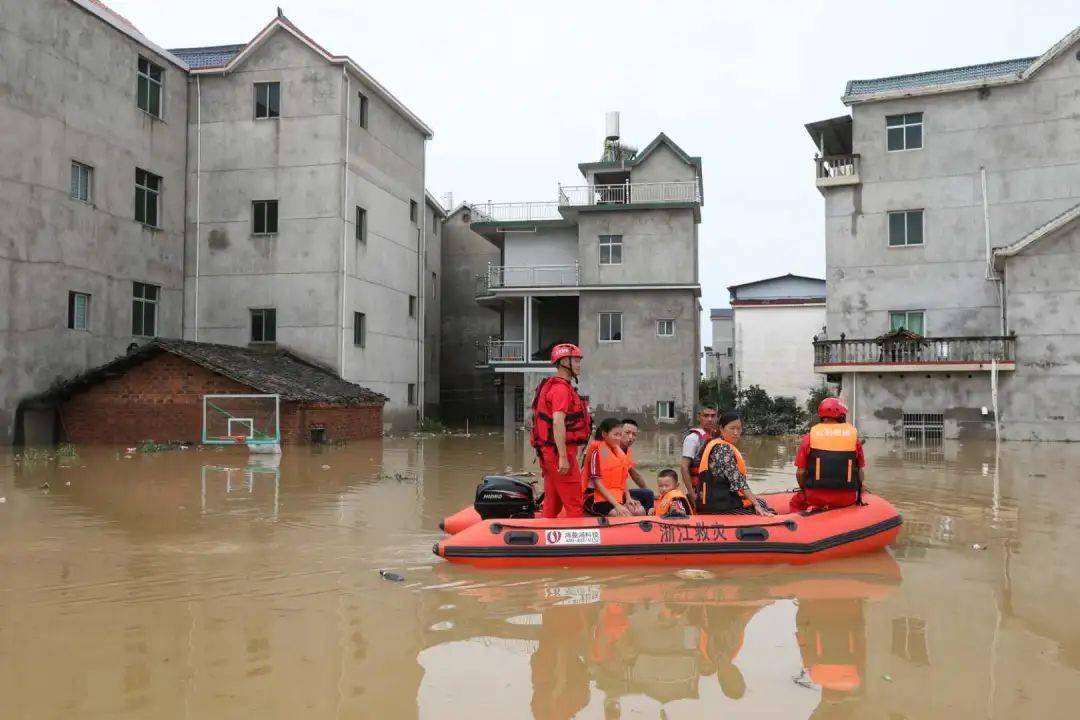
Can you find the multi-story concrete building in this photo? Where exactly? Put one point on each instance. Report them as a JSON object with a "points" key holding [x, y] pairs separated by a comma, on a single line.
{"points": [[431, 305], [775, 320], [951, 200], [611, 266], [720, 356], [91, 195], [302, 220]]}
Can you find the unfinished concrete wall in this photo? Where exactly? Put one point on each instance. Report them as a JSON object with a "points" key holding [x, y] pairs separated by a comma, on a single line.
{"points": [[773, 348], [662, 165], [68, 83], [432, 304], [466, 390], [629, 377], [530, 257], [658, 246], [722, 360]]}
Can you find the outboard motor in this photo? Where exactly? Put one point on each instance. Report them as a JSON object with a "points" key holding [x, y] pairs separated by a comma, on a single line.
{"points": [[503, 497]]}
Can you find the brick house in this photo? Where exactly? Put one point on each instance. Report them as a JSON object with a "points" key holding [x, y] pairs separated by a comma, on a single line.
{"points": [[155, 393]]}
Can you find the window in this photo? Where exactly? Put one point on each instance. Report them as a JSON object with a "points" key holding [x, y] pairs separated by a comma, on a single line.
{"points": [[904, 132], [80, 181], [264, 325], [362, 117], [913, 320], [611, 327], [144, 300], [412, 306], [519, 403], [905, 228], [267, 100], [264, 217], [921, 428], [147, 196], [359, 329], [434, 224], [78, 311], [611, 249], [412, 394], [665, 328], [148, 90], [361, 224], [729, 351], [412, 210], [665, 409]]}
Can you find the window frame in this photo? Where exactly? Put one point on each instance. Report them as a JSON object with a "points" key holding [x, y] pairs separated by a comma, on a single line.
{"points": [[410, 394], [73, 297], [147, 190], [266, 217], [148, 78], [144, 304], [361, 230], [665, 320], [600, 326], [668, 404], [263, 313], [255, 100], [922, 227], [413, 306], [363, 106], [906, 314], [904, 125], [359, 329], [79, 167], [414, 212], [608, 242]]}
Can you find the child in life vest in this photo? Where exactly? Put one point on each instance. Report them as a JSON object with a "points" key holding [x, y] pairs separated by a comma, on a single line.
{"points": [[671, 498]]}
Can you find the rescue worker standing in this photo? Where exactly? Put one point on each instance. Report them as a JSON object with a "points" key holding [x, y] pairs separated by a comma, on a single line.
{"points": [[561, 425], [829, 462]]}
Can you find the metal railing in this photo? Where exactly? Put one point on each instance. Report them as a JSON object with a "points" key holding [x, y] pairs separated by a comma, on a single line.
{"points": [[629, 193], [514, 211], [837, 169], [505, 350], [927, 351], [502, 276]]}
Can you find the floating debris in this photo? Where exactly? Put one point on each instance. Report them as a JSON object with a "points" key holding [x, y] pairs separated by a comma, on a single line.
{"points": [[887, 678], [68, 483], [392, 576], [977, 546], [325, 467], [695, 574], [3, 500], [44, 485]]}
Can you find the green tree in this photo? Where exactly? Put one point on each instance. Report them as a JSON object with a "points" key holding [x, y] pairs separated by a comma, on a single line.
{"points": [[817, 393], [722, 394], [764, 415]]}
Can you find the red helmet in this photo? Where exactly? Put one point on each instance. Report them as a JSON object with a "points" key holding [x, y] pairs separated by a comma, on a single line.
{"points": [[565, 350], [832, 407]]}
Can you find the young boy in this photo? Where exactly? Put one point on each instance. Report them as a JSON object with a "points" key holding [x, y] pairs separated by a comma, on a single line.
{"points": [[672, 500]]}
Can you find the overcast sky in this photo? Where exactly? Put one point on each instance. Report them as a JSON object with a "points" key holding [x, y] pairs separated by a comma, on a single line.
{"points": [[516, 92]]}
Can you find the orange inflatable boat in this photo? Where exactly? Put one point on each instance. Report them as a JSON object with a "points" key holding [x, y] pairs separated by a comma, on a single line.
{"points": [[702, 539]]}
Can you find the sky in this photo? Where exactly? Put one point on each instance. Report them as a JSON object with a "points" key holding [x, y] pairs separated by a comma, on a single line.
{"points": [[516, 92]]}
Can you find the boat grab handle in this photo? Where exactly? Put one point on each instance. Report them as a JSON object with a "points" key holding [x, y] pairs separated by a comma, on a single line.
{"points": [[752, 533]]}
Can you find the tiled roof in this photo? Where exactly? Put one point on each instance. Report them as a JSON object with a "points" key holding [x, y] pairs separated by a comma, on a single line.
{"points": [[271, 372], [933, 78], [721, 313], [214, 56]]}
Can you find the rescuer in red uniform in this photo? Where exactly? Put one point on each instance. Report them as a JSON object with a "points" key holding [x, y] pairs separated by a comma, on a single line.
{"points": [[561, 425]]}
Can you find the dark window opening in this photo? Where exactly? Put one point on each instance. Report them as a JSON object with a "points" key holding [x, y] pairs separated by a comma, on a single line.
{"points": [[264, 325], [267, 100]]}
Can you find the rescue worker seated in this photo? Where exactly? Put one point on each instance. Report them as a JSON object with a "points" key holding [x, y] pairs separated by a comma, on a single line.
{"points": [[604, 474], [673, 501], [642, 493], [829, 462], [722, 472]]}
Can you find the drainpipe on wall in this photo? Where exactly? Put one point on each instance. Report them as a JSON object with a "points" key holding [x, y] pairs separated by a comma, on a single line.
{"points": [[991, 275], [198, 194], [344, 224]]}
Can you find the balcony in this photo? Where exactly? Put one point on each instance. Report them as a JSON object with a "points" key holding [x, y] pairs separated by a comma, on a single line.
{"points": [[679, 191], [505, 351], [506, 277], [833, 170], [929, 354], [515, 211]]}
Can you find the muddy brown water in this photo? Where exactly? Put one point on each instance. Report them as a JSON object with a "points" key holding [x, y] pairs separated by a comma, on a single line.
{"points": [[197, 584]]}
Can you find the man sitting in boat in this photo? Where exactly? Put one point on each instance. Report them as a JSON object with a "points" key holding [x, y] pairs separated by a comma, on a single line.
{"points": [[694, 442], [604, 474], [829, 462], [642, 493], [722, 471]]}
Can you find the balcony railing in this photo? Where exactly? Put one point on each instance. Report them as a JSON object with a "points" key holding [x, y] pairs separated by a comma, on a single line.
{"points": [[502, 351], [509, 276], [837, 170], [514, 211], [628, 193], [942, 352]]}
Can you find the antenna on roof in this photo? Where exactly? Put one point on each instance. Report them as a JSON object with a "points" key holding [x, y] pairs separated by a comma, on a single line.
{"points": [[279, 13]]}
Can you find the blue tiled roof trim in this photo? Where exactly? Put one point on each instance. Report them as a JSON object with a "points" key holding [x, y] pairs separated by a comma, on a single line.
{"points": [[933, 78], [200, 57]]}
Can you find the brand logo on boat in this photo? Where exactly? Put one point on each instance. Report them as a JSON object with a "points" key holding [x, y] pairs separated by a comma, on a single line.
{"points": [[573, 537]]}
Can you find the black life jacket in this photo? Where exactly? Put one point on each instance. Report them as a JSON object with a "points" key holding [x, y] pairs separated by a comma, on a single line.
{"points": [[578, 421], [833, 460]]}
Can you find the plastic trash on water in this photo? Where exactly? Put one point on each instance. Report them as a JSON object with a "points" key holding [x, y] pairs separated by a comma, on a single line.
{"points": [[392, 576]]}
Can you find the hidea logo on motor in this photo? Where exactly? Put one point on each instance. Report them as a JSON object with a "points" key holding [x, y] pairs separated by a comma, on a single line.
{"points": [[572, 537]]}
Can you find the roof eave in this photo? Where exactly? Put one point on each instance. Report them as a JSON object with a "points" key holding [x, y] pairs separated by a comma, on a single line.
{"points": [[132, 32], [864, 98]]}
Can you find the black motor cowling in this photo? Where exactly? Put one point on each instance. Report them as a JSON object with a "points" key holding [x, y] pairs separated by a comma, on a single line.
{"points": [[504, 497]]}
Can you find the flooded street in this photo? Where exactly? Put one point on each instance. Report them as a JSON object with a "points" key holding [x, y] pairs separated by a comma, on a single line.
{"points": [[190, 584]]}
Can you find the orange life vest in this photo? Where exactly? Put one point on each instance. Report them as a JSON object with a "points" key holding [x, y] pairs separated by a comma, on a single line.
{"points": [[578, 421], [664, 502], [614, 468], [716, 495], [833, 459]]}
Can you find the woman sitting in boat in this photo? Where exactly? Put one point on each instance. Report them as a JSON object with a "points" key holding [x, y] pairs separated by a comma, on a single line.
{"points": [[604, 474], [724, 490]]}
